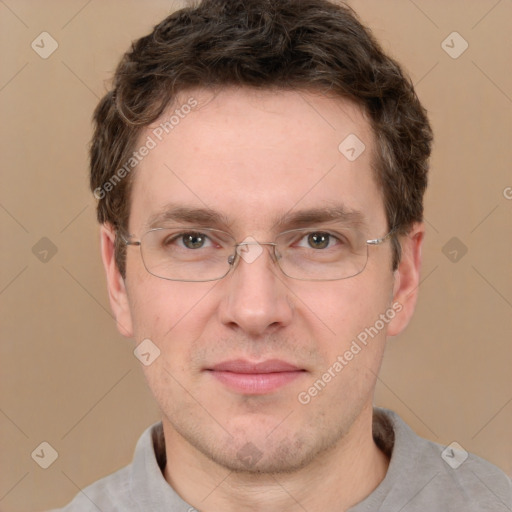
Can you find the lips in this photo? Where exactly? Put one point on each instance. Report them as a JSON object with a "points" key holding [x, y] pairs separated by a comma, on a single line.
{"points": [[242, 366], [251, 378]]}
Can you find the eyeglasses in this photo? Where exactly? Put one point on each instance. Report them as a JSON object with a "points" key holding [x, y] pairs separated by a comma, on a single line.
{"points": [[204, 254]]}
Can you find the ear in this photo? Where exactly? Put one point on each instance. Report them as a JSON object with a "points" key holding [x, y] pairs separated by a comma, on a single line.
{"points": [[407, 279], [115, 282]]}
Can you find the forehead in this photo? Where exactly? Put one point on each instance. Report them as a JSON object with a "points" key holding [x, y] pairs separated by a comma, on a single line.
{"points": [[254, 156]]}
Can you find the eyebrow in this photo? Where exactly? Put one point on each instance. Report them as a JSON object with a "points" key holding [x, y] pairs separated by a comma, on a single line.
{"points": [[289, 220], [179, 213], [311, 216]]}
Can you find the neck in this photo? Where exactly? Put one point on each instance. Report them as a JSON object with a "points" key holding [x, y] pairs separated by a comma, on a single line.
{"points": [[335, 481]]}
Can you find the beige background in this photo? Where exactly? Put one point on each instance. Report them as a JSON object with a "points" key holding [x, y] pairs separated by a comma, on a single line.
{"points": [[70, 379]]}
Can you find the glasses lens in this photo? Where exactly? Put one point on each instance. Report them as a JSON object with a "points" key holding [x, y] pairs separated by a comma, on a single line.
{"points": [[185, 254], [197, 254], [322, 254]]}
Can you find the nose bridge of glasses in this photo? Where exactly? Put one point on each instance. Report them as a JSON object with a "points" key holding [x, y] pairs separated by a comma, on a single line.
{"points": [[239, 250], [254, 242]]}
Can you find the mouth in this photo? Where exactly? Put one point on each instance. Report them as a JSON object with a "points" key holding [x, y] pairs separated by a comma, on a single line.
{"points": [[251, 378]]}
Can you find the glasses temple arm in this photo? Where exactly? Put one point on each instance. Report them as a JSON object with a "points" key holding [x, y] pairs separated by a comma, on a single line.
{"points": [[127, 242], [377, 241]]}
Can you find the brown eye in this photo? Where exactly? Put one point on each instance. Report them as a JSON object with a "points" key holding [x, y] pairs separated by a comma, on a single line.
{"points": [[319, 240]]}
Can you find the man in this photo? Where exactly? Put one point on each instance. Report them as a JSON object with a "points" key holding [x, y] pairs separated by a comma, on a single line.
{"points": [[260, 168]]}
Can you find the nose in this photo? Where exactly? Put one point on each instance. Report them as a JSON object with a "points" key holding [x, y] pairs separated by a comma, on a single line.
{"points": [[255, 297]]}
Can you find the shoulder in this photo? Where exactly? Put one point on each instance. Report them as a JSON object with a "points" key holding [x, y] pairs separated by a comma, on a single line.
{"points": [[110, 493], [123, 490], [461, 478], [427, 474]]}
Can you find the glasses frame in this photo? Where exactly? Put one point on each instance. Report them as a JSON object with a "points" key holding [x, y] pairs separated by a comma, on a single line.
{"points": [[235, 257]]}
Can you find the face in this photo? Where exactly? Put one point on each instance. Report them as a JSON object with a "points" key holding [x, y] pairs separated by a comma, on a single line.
{"points": [[258, 371]]}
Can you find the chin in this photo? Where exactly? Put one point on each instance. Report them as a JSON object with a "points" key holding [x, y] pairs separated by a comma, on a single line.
{"points": [[288, 457], [257, 452]]}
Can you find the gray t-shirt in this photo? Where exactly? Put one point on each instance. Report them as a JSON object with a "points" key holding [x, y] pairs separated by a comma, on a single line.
{"points": [[422, 477]]}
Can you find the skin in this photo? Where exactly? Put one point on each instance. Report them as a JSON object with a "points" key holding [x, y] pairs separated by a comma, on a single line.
{"points": [[252, 155]]}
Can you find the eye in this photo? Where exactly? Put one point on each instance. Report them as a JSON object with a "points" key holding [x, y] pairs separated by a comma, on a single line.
{"points": [[192, 240], [318, 240]]}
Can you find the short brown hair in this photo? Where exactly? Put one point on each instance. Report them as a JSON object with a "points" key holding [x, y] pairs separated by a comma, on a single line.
{"points": [[284, 44]]}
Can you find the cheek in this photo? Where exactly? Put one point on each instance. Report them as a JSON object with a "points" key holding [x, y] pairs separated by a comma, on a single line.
{"points": [[344, 308], [173, 316], [165, 310]]}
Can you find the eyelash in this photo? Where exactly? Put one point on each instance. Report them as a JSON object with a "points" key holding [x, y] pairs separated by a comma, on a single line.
{"points": [[180, 236]]}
